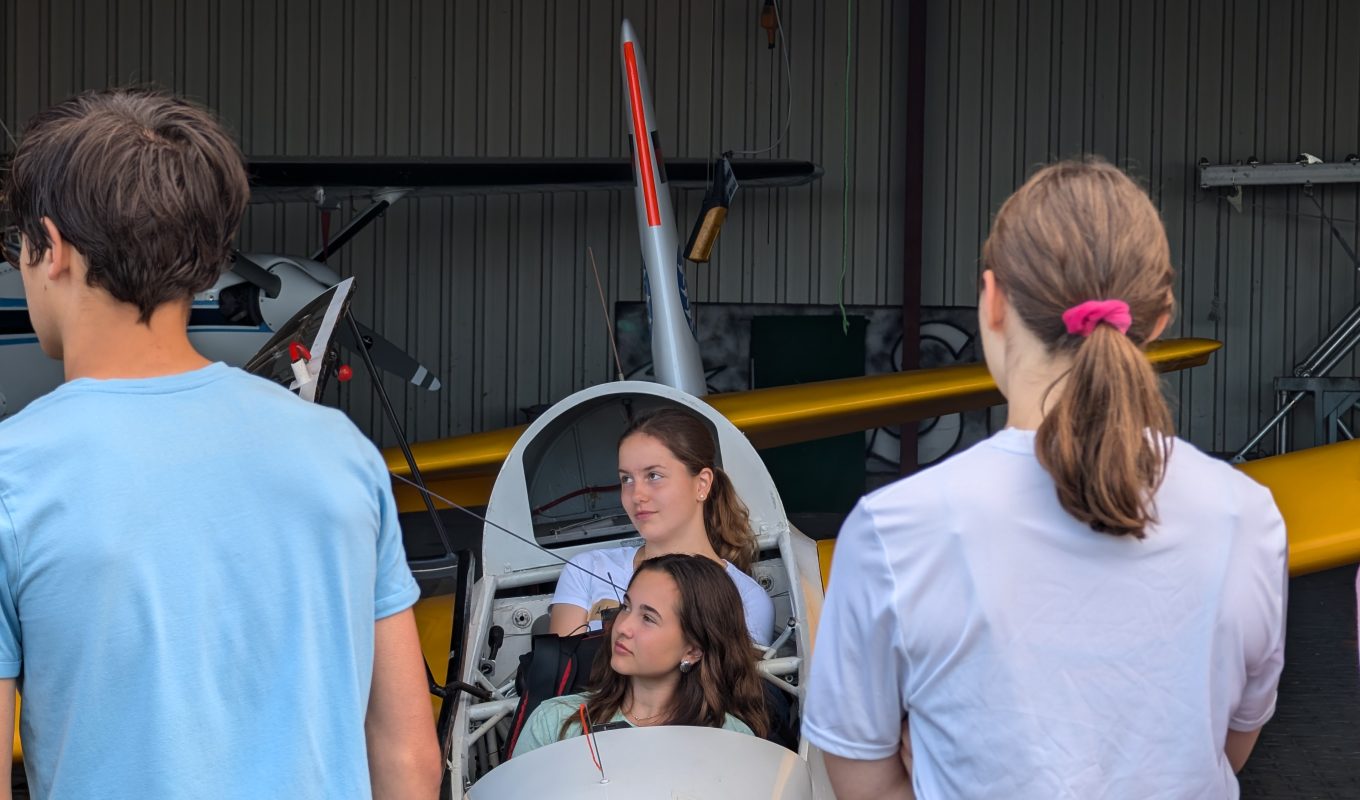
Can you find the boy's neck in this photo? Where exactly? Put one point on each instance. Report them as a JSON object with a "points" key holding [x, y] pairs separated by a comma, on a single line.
{"points": [[108, 341]]}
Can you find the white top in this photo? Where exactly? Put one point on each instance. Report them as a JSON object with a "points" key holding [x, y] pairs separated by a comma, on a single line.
{"points": [[585, 590], [1038, 658]]}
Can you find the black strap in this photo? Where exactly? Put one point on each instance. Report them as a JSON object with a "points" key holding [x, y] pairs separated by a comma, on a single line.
{"points": [[554, 666]]}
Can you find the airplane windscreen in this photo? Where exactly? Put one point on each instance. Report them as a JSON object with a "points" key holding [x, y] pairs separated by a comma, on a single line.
{"points": [[307, 335], [661, 762]]}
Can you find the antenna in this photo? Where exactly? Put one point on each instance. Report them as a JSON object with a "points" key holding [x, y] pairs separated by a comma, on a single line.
{"points": [[609, 325]]}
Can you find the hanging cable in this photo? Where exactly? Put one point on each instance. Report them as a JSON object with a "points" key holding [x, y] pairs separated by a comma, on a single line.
{"points": [[788, 86], [845, 166], [435, 496]]}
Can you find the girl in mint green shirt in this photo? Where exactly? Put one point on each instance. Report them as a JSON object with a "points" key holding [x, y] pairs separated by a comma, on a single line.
{"points": [[678, 654]]}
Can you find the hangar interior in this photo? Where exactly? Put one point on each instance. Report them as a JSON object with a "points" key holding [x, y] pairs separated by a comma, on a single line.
{"points": [[919, 135]]}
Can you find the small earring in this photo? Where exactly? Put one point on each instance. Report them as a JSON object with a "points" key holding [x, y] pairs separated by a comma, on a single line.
{"points": [[685, 666]]}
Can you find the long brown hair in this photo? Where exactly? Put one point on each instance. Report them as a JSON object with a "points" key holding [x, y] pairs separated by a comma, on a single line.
{"points": [[1079, 231], [725, 679], [726, 519]]}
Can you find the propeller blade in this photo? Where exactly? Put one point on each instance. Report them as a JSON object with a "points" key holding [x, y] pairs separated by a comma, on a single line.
{"points": [[387, 356]]}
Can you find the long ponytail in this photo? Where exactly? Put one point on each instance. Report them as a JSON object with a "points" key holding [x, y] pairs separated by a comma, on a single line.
{"points": [[1107, 437], [729, 523], [1081, 231]]}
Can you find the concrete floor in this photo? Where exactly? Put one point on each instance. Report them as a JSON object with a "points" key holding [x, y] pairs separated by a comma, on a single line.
{"points": [[1311, 749]]}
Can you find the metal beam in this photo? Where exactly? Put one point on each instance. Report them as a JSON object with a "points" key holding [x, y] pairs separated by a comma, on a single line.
{"points": [[296, 179], [1278, 174]]}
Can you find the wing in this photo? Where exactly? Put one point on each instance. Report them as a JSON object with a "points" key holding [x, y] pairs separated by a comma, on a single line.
{"points": [[463, 468], [1318, 493]]}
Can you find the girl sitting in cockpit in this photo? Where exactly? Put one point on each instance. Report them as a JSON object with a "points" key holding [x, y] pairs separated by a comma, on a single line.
{"points": [[680, 501], [677, 656]]}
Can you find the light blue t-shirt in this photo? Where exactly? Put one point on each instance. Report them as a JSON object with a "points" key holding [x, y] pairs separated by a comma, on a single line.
{"points": [[192, 568]]}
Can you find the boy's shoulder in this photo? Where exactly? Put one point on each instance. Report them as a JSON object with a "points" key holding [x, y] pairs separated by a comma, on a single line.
{"points": [[236, 402]]}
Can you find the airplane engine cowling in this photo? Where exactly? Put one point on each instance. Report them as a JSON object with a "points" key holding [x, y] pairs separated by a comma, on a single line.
{"points": [[298, 289]]}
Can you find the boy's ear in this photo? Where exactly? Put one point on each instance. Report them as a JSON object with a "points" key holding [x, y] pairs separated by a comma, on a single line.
{"points": [[57, 261]]}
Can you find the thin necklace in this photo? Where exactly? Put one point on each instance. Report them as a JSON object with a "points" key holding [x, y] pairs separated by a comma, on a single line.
{"points": [[640, 720]]}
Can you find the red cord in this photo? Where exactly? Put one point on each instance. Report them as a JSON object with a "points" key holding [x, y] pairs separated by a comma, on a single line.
{"points": [[613, 487], [585, 728]]}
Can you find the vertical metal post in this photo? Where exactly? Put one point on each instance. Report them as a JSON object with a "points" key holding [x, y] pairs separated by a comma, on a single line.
{"points": [[913, 249]]}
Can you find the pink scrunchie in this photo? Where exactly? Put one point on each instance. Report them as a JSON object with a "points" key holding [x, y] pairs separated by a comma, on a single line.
{"points": [[1083, 318]]}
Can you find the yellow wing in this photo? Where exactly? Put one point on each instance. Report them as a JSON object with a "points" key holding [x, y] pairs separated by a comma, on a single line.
{"points": [[463, 468], [1318, 493]]}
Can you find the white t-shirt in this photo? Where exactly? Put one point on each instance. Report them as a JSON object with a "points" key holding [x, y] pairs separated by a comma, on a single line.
{"points": [[1038, 658], [584, 590]]}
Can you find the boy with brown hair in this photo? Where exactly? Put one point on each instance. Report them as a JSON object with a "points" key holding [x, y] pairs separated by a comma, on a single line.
{"points": [[203, 590]]}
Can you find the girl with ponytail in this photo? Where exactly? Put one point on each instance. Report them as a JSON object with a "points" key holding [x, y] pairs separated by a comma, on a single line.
{"points": [[680, 501], [1081, 605]]}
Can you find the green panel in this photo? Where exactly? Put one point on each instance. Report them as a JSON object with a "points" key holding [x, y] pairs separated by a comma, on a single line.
{"points": [[826, 475]]}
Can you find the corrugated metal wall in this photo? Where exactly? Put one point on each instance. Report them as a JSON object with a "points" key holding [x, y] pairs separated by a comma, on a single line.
{"points": [[497, 292], [1154, 87]]}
